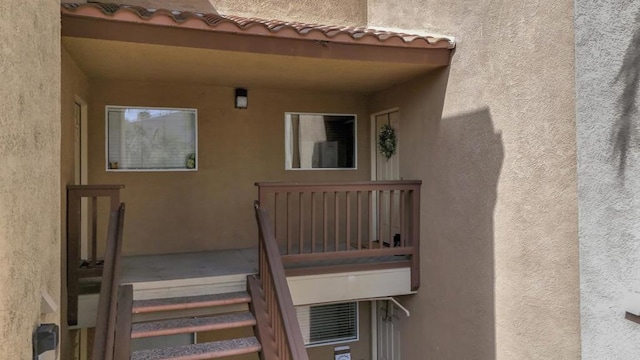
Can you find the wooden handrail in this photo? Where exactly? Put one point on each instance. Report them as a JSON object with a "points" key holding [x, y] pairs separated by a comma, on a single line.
{"points": [[338, 221], [266, 184], [104, 340], [289, 344]]}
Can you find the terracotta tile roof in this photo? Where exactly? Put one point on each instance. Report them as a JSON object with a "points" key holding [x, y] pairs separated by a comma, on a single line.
{"points": [[254, 26]]}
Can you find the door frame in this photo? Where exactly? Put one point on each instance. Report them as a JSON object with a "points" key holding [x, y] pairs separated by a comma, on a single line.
{"points": [[374, 141], [373, 154], [84, 173]]}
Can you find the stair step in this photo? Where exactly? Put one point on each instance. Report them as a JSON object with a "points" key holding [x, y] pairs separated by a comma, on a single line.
{"points": [[191, 325], [209, 350], [190, 302]]}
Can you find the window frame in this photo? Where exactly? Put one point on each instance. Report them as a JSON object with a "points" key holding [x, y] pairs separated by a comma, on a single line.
{"points": [[106, 138], [335, 341], [288, 161]]}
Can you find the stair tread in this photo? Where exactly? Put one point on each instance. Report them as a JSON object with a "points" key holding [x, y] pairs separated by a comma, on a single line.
{"points": [[209, 350], [189, 325], [190, 302]]}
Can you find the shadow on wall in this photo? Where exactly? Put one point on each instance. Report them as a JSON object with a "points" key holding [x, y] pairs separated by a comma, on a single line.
{"points": [[456, 303], [624, 132]]}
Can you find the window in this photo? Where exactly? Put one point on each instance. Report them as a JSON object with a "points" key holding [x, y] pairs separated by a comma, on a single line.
{"points": [[151, 139], [320, 141], [328, 324]]}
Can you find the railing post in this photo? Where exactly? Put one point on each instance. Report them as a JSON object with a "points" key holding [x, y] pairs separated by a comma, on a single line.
{"points": [[415, 238], [122, 348], [73, 256], [104, 337]]}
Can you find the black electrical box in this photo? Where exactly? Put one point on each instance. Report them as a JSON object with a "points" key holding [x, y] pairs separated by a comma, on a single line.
{"points": [[45, 342]]}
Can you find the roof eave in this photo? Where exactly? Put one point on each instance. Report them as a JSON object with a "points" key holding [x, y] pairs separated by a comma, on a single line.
{"points": [[163, 30]]}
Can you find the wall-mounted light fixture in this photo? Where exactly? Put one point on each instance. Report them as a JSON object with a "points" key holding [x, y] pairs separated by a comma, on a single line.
{"points": [[242, 100]]}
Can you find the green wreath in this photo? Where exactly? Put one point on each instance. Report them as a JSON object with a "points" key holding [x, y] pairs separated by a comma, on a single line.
{"points": [[387, 141]]}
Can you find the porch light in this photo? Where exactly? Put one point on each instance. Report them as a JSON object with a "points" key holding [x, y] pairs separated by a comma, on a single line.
{"points": [[242, 99]]}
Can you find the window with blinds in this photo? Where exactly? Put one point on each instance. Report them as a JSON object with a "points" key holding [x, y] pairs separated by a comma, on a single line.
{"points": [[320, 141], [328, 324], [150, 139]]}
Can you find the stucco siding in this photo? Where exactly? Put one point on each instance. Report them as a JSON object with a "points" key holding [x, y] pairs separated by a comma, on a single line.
{"points": [[213, 207], [500, 223], [30, 171], [607, 53]]}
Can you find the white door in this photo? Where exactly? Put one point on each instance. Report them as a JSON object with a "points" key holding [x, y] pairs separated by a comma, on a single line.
{"points": [[385, 169], [388, 330]]}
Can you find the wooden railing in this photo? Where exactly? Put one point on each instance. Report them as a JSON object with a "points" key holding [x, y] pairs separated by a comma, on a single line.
{"points": [[104, 339], [77, 267], [288, 343], [325, 222]]}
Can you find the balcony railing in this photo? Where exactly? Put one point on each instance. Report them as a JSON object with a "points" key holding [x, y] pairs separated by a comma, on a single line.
{"points": [[346, 226]]}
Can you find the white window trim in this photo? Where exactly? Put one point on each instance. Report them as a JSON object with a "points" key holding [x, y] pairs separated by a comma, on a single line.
{"points": [[106, 138], [288, 142]]}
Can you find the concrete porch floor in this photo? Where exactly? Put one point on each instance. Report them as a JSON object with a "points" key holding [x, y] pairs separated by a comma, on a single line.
{"points": [[150, 268]]}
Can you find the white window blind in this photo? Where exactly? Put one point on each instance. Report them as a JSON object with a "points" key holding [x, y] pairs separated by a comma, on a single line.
{"points": [[151, 139], [328, 324]]}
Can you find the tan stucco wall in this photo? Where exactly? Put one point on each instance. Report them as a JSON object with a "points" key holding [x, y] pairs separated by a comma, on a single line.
{"points": [[332, 12], [499, 214], [74, 83], [29, 175], [213, 207]]}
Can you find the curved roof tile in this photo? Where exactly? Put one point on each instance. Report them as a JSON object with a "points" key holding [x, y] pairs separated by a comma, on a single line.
{"points": [[255, 26]]}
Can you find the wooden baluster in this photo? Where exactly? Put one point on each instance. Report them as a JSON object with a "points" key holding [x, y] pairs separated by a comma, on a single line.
{"points": [[275, 216], [301, 224], [359, 222], [281, 337], [336, 225], [265, 268], [378, 220], [313, 222], [371, 229], [94, 231], [391, 244], [324, 221], [415, 238], [288, 224], [348, 211], [403, 233]]}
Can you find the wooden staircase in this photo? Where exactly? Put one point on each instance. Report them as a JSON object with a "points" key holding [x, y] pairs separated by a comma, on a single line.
{"points": [[184, 325], [277, 334]]}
